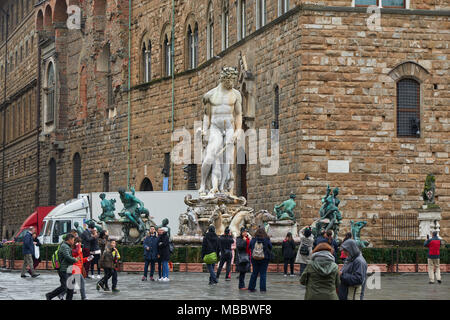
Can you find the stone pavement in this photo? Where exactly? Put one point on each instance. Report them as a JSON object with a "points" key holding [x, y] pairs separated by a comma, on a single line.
{"points": [[194, 286]]}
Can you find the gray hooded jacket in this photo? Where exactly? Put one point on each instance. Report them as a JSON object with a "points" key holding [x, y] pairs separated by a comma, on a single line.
{"points": [[354, 270]]}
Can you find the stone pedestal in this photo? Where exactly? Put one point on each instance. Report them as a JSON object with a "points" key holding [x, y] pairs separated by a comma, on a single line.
{"points": [[279, 229], [114, 230], [429, 222], [220, 210]]}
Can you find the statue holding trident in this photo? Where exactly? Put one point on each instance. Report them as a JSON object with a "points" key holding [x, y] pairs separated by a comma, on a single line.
{"points": [[222, 123]]}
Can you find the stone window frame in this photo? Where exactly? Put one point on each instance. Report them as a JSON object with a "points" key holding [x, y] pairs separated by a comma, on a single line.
{"points": [[146, 56], [225, 24], [283, 7], [166, 54], [410, 70], [242, 20], [261, 13], [191, 42], [406, 4], [210, 31], [49, 125]]}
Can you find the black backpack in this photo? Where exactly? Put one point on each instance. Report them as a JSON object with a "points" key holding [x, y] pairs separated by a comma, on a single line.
{"points": [[304, 250]]}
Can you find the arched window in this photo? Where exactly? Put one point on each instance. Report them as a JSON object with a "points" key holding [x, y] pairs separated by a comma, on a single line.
{"points": [[260, 13], [167, 56], [192, 45], [76, 175], [242, 19], [50, 94], [408, 108], [276, 108], [147, 60], [225, 23], [146, 185], [210, 32], [52, 182]]}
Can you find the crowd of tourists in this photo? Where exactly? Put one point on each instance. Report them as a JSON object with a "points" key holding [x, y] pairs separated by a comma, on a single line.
{"points": [[91, 251]]}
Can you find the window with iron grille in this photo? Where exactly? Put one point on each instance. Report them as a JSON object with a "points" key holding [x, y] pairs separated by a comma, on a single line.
{"points": [[276, 108], [76, 174], [408, 108]]}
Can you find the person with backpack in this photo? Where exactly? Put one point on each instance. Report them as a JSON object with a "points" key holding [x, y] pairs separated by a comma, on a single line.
{"points": [[62, 263], [288, 253], [242, 256], [261, 249], [305, 249], [225, 242], [150, 253], [164, 252], [210, 252], [109, 262]]}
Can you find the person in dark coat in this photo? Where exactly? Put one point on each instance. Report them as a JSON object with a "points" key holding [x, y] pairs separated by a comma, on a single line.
{"points": [[96, 252], [150, 253], [211, 244], [164, 252], [328, 238], [86, 238], [242, 256], [28, 253], [36, 259], [353, 273], [260, 266], [288, 252], [226, 241]]}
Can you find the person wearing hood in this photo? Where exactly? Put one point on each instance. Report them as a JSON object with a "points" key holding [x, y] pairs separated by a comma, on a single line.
{"points": [[261, 248], [353, 273], [305, 249], [211, 245], [321, 275]]}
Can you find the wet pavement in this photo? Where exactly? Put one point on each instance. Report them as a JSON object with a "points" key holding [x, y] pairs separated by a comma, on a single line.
{"points": [[194, 286]]}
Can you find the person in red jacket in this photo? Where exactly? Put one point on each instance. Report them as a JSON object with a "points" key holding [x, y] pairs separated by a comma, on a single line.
{"points": [[78, 271], [433, 245]]}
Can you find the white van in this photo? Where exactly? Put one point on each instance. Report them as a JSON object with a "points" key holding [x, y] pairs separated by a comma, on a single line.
{"points": [[62, 219], [161, 204]]}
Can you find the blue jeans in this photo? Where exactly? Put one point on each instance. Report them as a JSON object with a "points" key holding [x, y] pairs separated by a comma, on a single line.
{"points": [[242, 280], [212, 275], [152, 267], [165, 269], [259, 267]]}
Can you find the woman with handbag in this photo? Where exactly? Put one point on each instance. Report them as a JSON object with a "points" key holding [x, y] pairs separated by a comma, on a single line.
{"points": [[242, 257], [210, 252]]}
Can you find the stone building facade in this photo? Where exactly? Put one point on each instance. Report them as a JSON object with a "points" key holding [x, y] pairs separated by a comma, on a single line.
{"points": [[332, 82], [18, 114]]}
